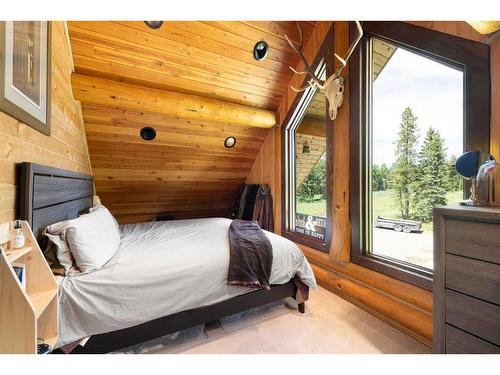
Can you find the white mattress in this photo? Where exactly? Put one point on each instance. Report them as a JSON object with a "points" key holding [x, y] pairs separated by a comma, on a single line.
{"points": [[162, 268]]}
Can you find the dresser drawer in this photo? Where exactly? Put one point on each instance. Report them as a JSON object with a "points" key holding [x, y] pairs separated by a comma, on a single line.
{"points": [[473, 277], [460, 342], [474, 316], [473, 239]]}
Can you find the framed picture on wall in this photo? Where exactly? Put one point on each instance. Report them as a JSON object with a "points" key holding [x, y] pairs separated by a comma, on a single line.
{"points": [[25, 72]]}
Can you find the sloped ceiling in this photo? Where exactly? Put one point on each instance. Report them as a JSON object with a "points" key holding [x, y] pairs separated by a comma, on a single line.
{"points": [[196, 83]]}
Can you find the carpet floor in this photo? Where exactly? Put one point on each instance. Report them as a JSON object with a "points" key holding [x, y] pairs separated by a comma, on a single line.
{"points": [[329, 325]]}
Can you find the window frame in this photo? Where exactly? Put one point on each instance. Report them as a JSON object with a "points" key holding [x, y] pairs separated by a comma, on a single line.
{"points": [[324, 53], [469, 56]]}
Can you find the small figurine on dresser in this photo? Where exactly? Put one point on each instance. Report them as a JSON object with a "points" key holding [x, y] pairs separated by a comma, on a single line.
{"points": [[477, 167]]}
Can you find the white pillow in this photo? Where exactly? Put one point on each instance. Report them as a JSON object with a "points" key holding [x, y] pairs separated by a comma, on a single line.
{"points": [[93, 238], [57, 235], [101, 207]]}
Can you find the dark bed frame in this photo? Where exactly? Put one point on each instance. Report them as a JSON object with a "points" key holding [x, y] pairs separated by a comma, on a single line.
{"points": [[49, 195]]}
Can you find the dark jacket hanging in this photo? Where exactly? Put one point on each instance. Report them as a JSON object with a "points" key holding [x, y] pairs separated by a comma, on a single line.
{"points": [[239, 205], [263, 210], [250, 202]]}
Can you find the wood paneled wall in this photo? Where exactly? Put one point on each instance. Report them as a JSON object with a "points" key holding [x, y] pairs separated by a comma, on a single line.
{"points": [[404, 306], [265, 170], [65, 148], [185, 172]]}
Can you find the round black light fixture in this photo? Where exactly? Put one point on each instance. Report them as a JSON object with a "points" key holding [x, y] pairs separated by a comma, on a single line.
{"points": [[229, 142], [148, 133], [260, 50], [154, 24]]}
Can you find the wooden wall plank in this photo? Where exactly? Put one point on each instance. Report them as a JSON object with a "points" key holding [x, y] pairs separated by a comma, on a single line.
{"points": [[265, 168], [65, 148], [340, 246], [186, 171]]}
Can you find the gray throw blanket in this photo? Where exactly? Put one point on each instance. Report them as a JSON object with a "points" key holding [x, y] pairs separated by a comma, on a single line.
{"points": [[251, 255]]}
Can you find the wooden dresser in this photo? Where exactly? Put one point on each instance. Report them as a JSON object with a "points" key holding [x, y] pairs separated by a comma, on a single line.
{"points": [[466, 280]]}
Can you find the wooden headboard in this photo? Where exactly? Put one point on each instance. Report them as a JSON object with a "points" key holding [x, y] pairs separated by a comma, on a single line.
{"points": [[49, 195]]}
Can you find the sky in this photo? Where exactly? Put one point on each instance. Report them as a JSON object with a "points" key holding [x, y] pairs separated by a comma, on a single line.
{"points": [[433, 91]]}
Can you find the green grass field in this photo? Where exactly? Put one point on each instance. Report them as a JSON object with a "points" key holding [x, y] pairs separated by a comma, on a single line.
{"points": [[316, 208], [384, 204]]}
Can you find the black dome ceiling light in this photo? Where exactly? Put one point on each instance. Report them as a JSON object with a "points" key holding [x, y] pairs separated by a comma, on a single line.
{"points": [[229, 142], [154, 24], [148, 133], [260, 50]]}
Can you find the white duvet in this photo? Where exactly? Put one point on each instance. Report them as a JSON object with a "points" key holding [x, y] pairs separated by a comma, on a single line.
{"points": [[162, 268]]}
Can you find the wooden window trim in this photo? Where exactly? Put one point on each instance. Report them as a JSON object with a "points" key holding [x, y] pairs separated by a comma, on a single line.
{"points": [[324, 52], [473, 58]]}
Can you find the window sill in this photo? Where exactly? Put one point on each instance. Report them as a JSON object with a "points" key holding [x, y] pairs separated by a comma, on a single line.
{"points": [[306, 241], [414, 277]]}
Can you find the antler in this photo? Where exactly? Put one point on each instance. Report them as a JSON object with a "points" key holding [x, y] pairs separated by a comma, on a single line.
{"points": [[334, 85], [343, 61], [314, 80]]}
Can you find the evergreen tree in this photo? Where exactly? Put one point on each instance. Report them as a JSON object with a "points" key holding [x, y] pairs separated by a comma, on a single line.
{"points": [[380, 177], [375, 177], [314, 184], [433, 176], [404, 170], [384, 177], [454, 179]]}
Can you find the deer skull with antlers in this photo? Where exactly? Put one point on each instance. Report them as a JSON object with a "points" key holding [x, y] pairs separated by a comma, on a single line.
{"points": [[333, 86]]}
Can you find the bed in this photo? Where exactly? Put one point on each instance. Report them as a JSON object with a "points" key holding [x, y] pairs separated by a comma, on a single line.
{"points": [[165, 276]]}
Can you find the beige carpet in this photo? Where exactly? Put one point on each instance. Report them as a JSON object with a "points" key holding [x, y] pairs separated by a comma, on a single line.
{"points": [[330, 325]]}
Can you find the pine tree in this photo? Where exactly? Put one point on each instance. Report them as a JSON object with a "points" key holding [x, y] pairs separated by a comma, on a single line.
{"points": [[433, 176], [314, 184], [404, 170], [384, 177], [454, 179], [375, 177], [380, 177]]}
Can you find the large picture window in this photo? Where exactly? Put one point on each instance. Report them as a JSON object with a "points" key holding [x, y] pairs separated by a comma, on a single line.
{"points": [[416, 136], [414, 121]]}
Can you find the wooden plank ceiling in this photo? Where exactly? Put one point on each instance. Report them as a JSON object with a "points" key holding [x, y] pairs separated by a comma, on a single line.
{"points": [[196, 83]]}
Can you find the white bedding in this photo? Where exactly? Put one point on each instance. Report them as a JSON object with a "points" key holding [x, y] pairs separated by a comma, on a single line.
{"points": [[162, 268]]}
